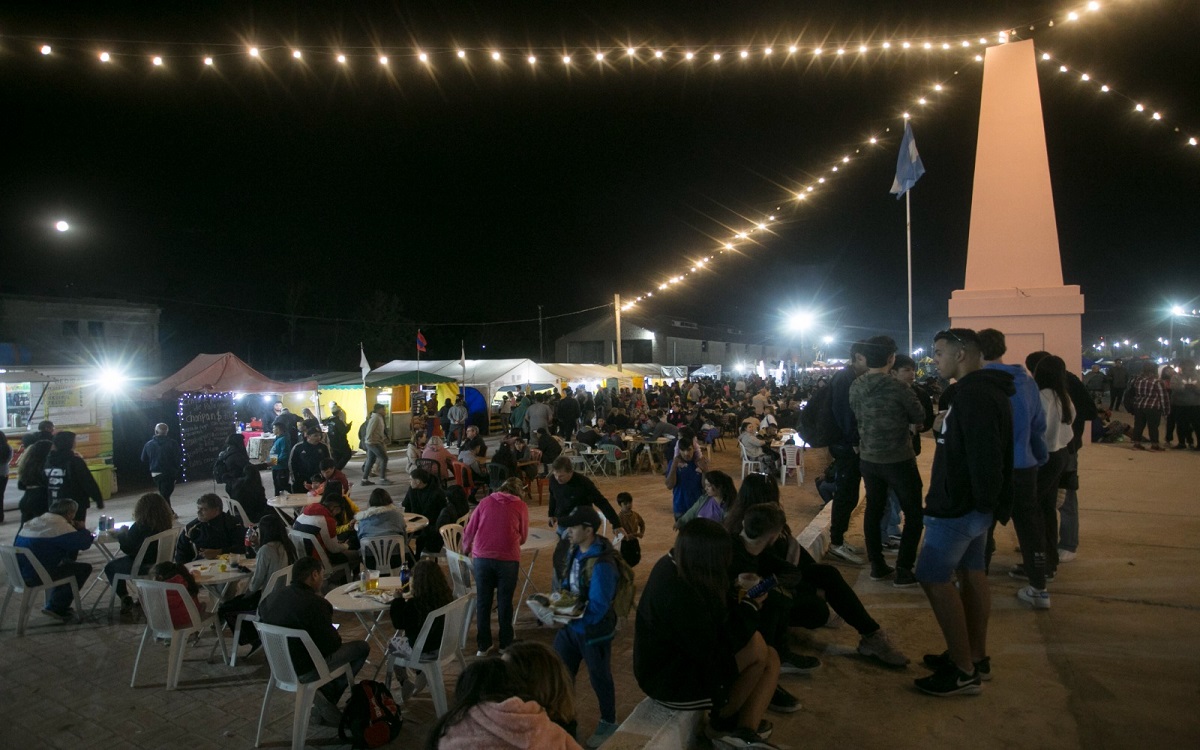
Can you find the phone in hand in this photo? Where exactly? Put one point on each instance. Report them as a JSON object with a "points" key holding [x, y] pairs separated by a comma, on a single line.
{"points": [[762, 587]]}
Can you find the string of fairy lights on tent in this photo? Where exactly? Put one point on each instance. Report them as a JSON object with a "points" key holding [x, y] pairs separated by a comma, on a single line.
{"points": [[1136, 105]]}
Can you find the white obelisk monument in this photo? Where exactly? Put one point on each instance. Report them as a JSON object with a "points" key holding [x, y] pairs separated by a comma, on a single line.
{"points": [[1014, 272]]}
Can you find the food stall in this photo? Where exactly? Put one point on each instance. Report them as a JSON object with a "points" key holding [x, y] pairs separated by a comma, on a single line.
{"points": [[77, 399], [218, 395]]}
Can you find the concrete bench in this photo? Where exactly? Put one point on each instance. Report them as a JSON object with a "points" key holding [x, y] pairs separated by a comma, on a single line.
{"points": [[654, 727], [815, 536]]}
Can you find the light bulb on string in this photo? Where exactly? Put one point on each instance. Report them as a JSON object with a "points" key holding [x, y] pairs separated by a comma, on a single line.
{"points": [[768, 51], [208, 61], [716, 56], [158, 61], [658, 53], [45, 50], [461, 54], [599, 55], [383, 60], [688, 55], [296, 54], [495, 55], [744, 54], [254, 51], [105, 57], [423, 57], [341, 58]]}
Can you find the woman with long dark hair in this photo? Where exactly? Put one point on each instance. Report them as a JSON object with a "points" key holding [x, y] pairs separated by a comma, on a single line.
{"points": [[430, 590], [1037, 525], [695, 646], [273, 551], [151, 515]]}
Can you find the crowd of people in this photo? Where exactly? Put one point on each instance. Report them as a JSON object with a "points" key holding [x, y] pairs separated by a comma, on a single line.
{"points": [[712, 624]]}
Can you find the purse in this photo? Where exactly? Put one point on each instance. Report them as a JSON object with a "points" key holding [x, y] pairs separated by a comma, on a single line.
{"points": [[399, 646]]}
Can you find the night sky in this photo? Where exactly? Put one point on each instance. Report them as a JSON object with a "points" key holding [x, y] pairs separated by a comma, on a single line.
{"points": [[362, 200]]}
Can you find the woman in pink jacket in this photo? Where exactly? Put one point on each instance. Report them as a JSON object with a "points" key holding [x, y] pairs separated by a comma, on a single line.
{"points": [[488, 715], [498, 527]]}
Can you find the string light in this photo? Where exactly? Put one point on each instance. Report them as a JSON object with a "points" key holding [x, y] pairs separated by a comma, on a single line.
{"points": [[599, 56], [254, 51], [383, 60], [1138, 107], [532, 60], [461, 54], [105, 57], [208, 61], [46, 49], [423, 57], [297, 54], [157, 61], [495, 55], [341, 59], [659, 54], [566, 59], [688, 55]]}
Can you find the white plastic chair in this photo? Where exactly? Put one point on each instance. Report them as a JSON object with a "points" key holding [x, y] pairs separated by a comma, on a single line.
{"points": [[236, 508], [451, 536], [382, 548], [454, 615], [284, 677], [304, 542], [791, 459], [162, 553], [153, 595], [617, 457], [460, 572], [753, 465], [461, 584], [279, 578], [29, 591]]}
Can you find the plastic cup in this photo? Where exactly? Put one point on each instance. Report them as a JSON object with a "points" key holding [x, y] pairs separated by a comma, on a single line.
{"points": [[372, 580], [746, 581]]}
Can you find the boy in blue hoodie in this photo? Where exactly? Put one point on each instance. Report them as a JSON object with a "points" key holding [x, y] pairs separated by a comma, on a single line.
{"points": [[1029, 452], [591, 575]]}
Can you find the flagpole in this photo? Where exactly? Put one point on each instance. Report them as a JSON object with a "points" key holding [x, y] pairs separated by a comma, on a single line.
{"points": [[418, 361], [908, 230]]}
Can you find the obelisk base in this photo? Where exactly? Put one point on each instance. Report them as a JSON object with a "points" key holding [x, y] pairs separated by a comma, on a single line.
{"points": [[1040, 319]]}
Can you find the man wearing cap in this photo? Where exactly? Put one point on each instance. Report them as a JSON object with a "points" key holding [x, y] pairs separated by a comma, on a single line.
{"points": [[590, 574], [568, 490]]}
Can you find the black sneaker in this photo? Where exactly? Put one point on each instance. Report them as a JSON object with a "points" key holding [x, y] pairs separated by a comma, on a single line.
{"points": [[881, 571], [790, 663], [950, 680], [905, 579], [783, 702], [942, 660], [1018, 572], [742, 738], [367, 483]]}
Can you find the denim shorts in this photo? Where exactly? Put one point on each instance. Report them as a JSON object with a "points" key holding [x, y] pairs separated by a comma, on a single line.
{"points": [[952, 544]]}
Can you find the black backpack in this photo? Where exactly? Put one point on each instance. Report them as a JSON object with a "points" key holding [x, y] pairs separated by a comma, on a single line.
{"points": [[371, 716], [220, 470], [817, 426]]}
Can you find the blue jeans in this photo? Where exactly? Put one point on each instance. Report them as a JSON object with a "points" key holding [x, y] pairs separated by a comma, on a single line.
{"points": [[494, 578], [375, 453], [572, 649], [953, 544]]}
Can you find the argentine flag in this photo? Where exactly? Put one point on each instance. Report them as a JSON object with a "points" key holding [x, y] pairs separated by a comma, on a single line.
{"points": [[908, 166]]}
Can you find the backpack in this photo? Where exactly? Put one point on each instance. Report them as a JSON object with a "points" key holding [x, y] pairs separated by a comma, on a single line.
{"points": [[371, 716], [626, 588], [817, 426], [220, 470]]}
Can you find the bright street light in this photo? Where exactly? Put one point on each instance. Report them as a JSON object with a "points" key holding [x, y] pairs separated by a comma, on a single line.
{"points": [[800, 321], [62, 226], [1178, 310]]}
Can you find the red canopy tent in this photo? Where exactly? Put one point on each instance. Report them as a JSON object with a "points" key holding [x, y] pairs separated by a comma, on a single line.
{"points": [[221, 373]]}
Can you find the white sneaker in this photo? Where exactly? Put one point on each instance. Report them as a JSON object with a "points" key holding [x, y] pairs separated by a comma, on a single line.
{"points": [[847, 553], [1030, 595], [1066, 555]]}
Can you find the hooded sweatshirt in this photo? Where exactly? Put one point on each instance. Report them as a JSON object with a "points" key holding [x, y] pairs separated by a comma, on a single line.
{"points": [[884, 408], [497, 528], [973, 461], [381, 520], [1029, 419], [513, 723], [316, 519], [53, 540], [162, 453]]}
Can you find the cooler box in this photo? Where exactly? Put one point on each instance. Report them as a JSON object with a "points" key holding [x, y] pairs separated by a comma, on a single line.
{"points": [[104, 477]]}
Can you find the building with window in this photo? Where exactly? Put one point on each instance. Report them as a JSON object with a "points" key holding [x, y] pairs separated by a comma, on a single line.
{"points": [[53, 331], [670, 341]]}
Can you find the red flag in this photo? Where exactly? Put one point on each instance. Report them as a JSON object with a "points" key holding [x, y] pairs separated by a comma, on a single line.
{"points": [[420, 341]]}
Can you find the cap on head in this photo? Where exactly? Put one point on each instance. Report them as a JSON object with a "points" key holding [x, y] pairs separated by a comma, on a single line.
{"points": [[583, 515]]}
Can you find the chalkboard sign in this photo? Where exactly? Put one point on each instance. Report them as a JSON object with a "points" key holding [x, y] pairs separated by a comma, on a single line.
{"points": [[205, 423]]}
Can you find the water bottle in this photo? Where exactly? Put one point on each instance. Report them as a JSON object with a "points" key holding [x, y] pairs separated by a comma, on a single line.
{"points": [[100, 525], [251, 538], [404, 575]]}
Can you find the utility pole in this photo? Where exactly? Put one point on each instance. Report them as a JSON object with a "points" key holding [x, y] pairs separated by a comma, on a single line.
{"points": [[617, 310], [541, 347]]}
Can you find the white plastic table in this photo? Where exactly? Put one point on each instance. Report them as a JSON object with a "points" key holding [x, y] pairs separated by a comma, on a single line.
{"points": [[217, 582], [538, 539], [368, 607]]}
